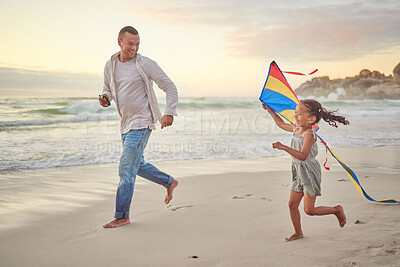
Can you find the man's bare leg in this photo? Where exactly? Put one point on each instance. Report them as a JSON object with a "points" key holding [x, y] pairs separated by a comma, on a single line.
{"points": [[170, 190], [117, 223]]}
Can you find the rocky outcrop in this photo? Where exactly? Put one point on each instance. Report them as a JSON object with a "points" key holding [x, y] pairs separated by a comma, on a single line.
{"points": [[396, 74], [368, 84]]}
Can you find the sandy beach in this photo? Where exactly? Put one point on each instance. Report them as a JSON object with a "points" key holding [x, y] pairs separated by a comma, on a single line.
{"points": [[224, 213]]}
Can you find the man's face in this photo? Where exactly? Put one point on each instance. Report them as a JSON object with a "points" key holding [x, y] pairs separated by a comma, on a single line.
{"points": [[129, 46]]}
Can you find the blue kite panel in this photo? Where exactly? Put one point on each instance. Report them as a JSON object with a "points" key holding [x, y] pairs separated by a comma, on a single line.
{"points": [[277, 101]]}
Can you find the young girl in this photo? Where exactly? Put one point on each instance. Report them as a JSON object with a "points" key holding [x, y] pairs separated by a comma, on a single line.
{"points": [[306, 171]]}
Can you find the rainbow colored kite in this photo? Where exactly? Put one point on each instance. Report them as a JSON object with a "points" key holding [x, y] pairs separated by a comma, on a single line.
{"points": [[279, 96]]}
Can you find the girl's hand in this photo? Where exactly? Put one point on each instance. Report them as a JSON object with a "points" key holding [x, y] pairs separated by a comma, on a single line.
{"points": [[267, 108], [278, 145], [278, 120]]}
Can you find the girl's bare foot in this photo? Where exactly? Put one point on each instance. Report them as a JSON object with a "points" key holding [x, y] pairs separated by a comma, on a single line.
{"points": [[170, 189], [117, 223], [294, 237], [340, 215]]}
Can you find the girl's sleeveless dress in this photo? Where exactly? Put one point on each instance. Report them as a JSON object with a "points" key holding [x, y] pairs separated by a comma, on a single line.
{"points": [[306, 175]]}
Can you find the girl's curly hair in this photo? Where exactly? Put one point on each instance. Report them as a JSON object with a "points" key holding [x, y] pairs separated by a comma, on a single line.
{"points": [[316, 109]]}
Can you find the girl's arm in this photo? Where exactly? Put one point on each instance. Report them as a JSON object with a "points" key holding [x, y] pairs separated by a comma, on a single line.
{"points": [[278, 120], [308, 140]]}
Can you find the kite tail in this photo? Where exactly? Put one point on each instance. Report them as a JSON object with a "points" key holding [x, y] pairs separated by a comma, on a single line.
{"points": [[354, 178], [299, 73]]}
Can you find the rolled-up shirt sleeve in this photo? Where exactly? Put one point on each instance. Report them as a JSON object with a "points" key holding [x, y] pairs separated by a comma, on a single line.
{"points": [[165, 84]]}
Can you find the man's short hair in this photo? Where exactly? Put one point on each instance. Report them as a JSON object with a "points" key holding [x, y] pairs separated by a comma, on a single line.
{"points": [[129, 29]]}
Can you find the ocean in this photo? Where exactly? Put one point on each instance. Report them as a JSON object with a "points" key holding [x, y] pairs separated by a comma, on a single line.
{"points": [[37, 133]]}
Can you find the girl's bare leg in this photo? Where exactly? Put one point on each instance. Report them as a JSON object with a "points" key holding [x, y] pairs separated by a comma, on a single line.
{"points": [[294, 202], [310, 209]]}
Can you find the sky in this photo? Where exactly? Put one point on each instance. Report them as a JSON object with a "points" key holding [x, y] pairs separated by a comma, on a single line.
{"points": [[208, 48]]}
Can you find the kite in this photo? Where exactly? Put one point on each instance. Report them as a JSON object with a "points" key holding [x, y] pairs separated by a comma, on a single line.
{"points": [[280, 97]]}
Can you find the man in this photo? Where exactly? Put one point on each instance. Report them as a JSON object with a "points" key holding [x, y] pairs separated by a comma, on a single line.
{"points": [[128, 80]]}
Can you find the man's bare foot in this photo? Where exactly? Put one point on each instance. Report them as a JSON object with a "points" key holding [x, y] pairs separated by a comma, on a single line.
{"points": [[340, 215], [170, 189], [117, 223], [294, 237]]}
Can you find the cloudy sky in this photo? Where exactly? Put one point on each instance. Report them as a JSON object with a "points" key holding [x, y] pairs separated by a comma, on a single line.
{"points": [[208, 47]]}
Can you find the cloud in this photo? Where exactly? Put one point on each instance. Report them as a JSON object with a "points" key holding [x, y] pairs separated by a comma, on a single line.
{"points": [[26, 80], [299, 30]]}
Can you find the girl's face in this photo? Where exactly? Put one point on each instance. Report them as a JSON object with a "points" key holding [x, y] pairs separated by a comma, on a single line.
{"points": [[302, 117]]}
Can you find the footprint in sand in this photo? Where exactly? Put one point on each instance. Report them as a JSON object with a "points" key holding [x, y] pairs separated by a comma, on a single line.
{"points": [[375, 246], [249, 196], [375, 249], [390, 252], [179, 207], [382, 249], [193, 257], [350, 263], [394, 248]]}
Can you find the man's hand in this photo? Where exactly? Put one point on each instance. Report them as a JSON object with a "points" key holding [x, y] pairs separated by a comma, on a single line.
{"points": [[103, 101], [166, 121]]}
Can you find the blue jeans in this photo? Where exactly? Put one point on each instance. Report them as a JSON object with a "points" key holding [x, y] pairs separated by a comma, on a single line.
{"points": [[132, 163]]}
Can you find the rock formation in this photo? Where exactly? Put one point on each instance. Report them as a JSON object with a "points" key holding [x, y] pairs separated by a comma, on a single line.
{"points": [[396, 74], [368, 84]]}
